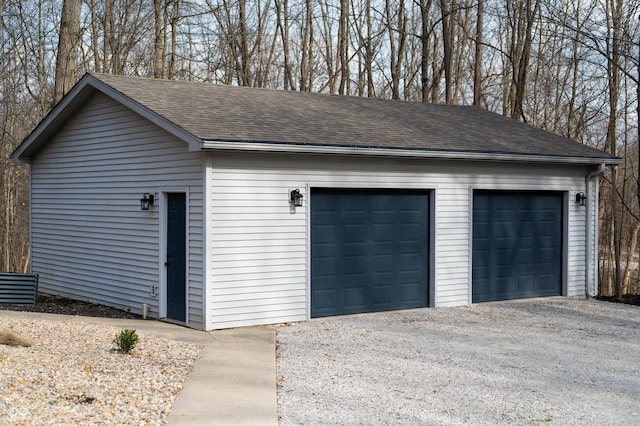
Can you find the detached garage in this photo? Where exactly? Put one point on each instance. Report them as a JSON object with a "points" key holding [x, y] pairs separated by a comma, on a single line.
{"points": [[216, 206]]}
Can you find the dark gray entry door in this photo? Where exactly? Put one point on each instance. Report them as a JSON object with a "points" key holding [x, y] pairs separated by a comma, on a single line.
{"points": [[517, 245], [369, 250], [176, 256]]}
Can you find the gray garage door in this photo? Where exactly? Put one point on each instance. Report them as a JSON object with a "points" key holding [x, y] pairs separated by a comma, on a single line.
{"points": [[369, 250], [517, 245]]}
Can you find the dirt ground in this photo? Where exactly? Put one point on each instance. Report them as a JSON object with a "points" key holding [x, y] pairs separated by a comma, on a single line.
{"points": [[60, 305], [629, 299]]}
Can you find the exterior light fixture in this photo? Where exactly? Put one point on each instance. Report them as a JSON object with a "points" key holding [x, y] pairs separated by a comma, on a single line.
{"points": [[295, 198], [146, 201], [581, 198]]}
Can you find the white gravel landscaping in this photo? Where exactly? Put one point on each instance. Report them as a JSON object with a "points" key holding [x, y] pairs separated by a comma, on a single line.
{"points": [[73, 375], [545, 361]]}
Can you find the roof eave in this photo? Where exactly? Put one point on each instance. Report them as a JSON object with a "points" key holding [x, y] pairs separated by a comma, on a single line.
{"points": [[398, 152], [77, 96], [53, 120]]}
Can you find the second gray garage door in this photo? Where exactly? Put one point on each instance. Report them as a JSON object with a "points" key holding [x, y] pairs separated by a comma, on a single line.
{"points": [[517, 245], [369, 250]]}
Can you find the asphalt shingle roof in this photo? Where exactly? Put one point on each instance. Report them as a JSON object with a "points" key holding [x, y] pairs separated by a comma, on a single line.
{"points": [[211, 112], [229, 113]]}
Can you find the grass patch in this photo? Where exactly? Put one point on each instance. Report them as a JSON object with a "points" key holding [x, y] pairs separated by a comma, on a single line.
{"points": [[10, 339]]}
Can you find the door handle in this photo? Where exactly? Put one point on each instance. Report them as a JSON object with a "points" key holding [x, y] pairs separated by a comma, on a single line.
{"points": [[167, 263]]}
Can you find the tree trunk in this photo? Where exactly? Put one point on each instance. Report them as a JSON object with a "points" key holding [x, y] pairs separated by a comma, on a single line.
{"points": [[631, 263], [436, 74], [368, 58], [396, 46], [282, 22], [173, 56], [245, 56], [95, 45], [477, 65], [68, 44], [8, 210], [638, 135], [614, 33], [343, 47], [158, 49], [425, 35], [307, 49], [107, 60], [447, 40], [2, 17], [524, 21]]}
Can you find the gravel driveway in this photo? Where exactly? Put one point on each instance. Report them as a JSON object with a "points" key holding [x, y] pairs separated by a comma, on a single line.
{"points": [[558, 361]]}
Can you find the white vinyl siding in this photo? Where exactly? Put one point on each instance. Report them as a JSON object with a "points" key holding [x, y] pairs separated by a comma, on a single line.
{"points": [[577, 278], [258, 271], [90, 240]]}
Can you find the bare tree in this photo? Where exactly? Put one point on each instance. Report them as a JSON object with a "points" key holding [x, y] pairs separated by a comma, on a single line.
{"points": [[158, 45], [568, 67], [477, 63], [446, 8], [343, 47], [306, 57], [425, 35], [614, 32], [522, 16], [282, 18], [68, 45]]}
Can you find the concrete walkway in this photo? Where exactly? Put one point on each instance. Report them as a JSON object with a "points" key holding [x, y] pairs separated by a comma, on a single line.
{"points": [[233, 382]]}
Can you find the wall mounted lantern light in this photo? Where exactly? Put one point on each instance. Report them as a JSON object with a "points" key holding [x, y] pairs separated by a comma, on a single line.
{"points": [[146, 201], [581, 198], [295, 198]]}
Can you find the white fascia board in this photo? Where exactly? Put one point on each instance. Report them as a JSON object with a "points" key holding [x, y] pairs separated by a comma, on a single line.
{"points": [[415, 153]]}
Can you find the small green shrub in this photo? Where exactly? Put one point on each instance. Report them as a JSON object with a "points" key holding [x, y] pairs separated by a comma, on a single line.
{"points": [[126, 341]]}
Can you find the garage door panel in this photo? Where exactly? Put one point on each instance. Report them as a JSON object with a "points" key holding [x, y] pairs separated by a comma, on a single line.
{"points": [[383, 232], [380, 236], [517, 245], [324, 300], [355, 297], [483, 231], [410, 292], [382, 295], [502, 287], [326, 234], [503, 231], [524, 256], [410, 262], [410, 235], [547, 242], [525, 241], [353, 233], [354, 265], [527, 230], [526, 282], [547, 256], [546, 284], [326, 266], [383, 263], [481, 243], [504, 257]]}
